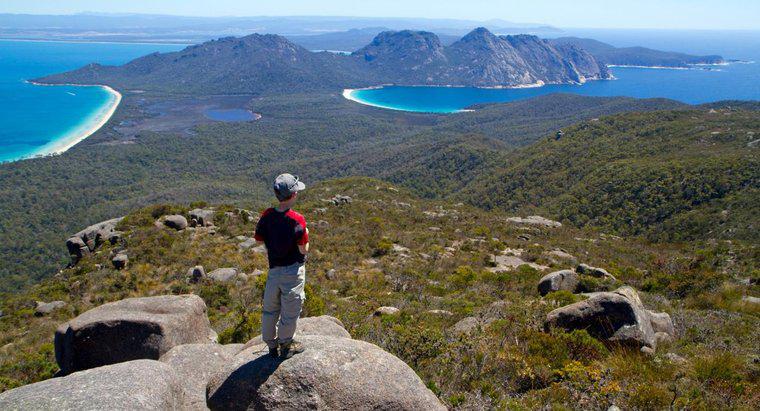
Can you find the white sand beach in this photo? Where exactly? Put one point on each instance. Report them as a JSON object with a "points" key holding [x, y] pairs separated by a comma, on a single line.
{"points": [[86, 128]]}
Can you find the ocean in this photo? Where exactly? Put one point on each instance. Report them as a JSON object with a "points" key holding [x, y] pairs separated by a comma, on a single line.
{"points": [[736, 81], [37, 120]]}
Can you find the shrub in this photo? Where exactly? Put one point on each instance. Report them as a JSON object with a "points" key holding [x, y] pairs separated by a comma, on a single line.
{"points": [[464, 275], [246, 328], [721, 368], [383, 247], [215, 295], [582, 347], [314, 305], [650, 396], [563, 297], [8, 383]]}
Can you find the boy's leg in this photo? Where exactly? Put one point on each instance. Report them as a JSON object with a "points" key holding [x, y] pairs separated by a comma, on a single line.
{"points": [[292, 296], [271, 308]]}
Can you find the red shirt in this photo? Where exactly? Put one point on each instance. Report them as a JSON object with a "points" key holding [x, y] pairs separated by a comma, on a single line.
{"points": [[282, 232]]}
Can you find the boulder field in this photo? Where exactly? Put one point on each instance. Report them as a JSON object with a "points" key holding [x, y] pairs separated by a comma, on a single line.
{"points": [[160, 353]]}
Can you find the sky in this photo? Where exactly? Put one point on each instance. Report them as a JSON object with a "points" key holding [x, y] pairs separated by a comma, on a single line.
{"points": [[660, 14]]}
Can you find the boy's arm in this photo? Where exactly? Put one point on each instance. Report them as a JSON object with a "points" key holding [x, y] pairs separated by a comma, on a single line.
{"points": [[259, 233], [304, 248]]}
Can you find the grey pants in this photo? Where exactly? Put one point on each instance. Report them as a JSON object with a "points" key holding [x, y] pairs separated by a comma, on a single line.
{"points": [[283, 297]]}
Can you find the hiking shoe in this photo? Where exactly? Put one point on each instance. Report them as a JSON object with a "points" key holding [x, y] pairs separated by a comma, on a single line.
{"points": [[290, 349], [273, 352]]}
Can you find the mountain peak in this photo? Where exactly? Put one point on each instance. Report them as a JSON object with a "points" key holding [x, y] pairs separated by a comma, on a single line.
{"points": [[480, 33], [405, 44], [403, 36]]}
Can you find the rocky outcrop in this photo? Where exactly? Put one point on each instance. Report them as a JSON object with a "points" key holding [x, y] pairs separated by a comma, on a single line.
{"points": [[134, 385], [386, 311], [339, 199], [618, 316], [47, 308], [323, 325], [511, 259], [558, 280], [561, 256], [120, 261], [176, 222], [77, 249], [225, 275], [246, 242], [135, 328], [92, 237], [196, 274], [201, 217], [467, 325], [333, 373], [195, 364], [593, 271], [535, 220]]}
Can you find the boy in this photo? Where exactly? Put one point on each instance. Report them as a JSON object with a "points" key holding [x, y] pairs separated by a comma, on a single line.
{"points": [[286, 237]]}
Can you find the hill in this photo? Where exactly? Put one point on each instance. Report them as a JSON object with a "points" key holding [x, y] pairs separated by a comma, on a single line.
{"points": [[478, 59], [467, 316], [636, 56], [316, 136], [270, 64], [350, 40], [680, 175], [253, 64]]}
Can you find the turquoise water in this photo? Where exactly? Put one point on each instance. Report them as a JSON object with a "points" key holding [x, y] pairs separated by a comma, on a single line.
{"points": [[35, 118], [732, 82]]}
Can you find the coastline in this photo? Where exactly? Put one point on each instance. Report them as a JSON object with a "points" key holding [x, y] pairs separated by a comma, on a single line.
{"points": [[144, 43], [689, 67], [86, 128], [348, 94]]}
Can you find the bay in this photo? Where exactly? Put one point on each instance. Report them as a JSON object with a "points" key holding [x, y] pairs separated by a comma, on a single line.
{"points": [[700, 84], [37, 120]]}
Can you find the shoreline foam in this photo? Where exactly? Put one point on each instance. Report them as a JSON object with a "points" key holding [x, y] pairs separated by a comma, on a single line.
{"points": [[88, 127]]}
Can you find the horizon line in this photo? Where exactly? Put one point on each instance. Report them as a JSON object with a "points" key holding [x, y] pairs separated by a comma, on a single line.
{"points": [[524, 25]]}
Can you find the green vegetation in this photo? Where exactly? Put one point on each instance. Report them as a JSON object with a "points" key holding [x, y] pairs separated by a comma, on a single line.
{"points": [[506, 361], [318, 137], [671, 176]]}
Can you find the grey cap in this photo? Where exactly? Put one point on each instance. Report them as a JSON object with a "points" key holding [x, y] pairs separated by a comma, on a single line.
{"points": [[287, 184]]}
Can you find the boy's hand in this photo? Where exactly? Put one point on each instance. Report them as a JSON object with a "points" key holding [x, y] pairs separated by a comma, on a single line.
{"points": [[304, 249]]}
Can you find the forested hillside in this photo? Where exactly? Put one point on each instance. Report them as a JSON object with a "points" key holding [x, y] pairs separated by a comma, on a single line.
{"points": [[448, 288], [672, 176], [318, 137]]}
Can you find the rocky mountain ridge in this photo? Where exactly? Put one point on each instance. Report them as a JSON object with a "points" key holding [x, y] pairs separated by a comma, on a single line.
{"points": [[266, 64], [636, 56]]}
